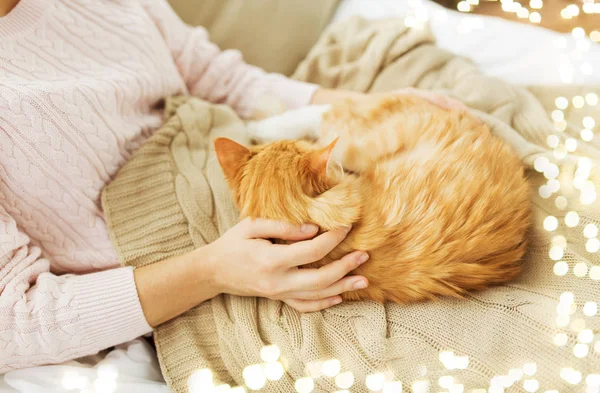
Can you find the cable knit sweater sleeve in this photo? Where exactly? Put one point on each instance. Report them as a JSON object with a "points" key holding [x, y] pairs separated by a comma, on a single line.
{"points": [[221, 76], [49, 319]]}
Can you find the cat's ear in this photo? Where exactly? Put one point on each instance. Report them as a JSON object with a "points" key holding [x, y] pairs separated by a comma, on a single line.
{"points": [[319, 159], [231, 155]]}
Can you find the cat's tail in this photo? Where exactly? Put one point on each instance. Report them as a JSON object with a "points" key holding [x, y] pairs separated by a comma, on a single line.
{"points": [[494, 269], [453, 279], [457, 279]]}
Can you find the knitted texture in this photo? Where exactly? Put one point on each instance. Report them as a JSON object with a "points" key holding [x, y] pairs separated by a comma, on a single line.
{"points": [[500, 329], [79, 85], [170, 198]]}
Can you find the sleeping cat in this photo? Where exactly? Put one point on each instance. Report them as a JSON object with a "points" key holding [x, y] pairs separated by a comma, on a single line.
{"points": [[438, 202]]}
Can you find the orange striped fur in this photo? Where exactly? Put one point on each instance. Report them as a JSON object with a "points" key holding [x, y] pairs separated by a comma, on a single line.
{"points": [[438, 202]]}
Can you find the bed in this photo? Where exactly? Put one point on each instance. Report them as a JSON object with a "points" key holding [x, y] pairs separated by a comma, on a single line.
{"points": [[518, 53]]}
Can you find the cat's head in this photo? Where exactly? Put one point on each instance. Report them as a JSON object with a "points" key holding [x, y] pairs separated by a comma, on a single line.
{"points": [[275, 181]]}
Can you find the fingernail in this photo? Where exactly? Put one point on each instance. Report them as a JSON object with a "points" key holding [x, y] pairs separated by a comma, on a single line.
{"points": [[336, 301], [360, 284], [347, 229], [309, 228], [363, 258]]}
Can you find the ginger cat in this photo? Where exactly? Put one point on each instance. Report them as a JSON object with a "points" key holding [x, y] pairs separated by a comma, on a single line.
{"points": [[439, 203]]}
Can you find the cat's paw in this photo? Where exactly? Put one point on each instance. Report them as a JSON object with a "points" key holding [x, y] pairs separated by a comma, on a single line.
{"points": [[262, 132], [301, 123]]}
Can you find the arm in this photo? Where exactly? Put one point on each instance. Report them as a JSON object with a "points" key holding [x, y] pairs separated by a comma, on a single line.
{"points": [[254, 267], [50, 319], [171, 287], [221, 76]]}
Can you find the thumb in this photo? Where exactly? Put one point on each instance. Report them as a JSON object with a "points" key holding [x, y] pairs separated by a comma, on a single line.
{"points": [[270, 229]]}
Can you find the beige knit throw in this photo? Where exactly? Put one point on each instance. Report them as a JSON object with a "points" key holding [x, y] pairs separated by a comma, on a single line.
{"points": [[171, 197]]}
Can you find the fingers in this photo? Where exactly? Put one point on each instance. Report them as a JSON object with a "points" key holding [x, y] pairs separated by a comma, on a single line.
{"points": [[449, 103], [346, 284], [304, 280], [436, 99], [442, 101], [312, 250], [313, 305], [266, 229]]}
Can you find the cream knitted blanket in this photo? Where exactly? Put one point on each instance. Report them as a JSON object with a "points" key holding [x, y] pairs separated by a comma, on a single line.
{"points": [[171, 197]]}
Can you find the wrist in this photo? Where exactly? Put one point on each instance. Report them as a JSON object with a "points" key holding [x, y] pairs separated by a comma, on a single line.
{"points": [[172, 286], [204, 265]]}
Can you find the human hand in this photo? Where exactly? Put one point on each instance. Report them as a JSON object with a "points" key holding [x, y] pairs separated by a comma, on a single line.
{"points": [[244, 263], [434, 98], [327, 96]]}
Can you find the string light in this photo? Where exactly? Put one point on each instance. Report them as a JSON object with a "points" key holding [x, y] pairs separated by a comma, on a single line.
{"points": [[560, 339], [446, 381], [529, 369], [561, 268], [590, 309], [331, 367], [515, 374], [420, 387], [463, 6], [571, 144], [375, 382], [570, 375], [595, 273], [254, 377], [581, 350], [531, 385], [573, 9], [580, 269], [572, 219], [553, 185], [561, 103], [535, 17], [592, 245], [550, 223], [392, 387], [587, 135], [589, 122], [585, 336], [588, 8], [592, 98], [553, 140], [523, 13], [304, 385], [456, 388], [561, 202], [270, 353], [551, 171], [578, 324], [273, 371], [536, 4]]}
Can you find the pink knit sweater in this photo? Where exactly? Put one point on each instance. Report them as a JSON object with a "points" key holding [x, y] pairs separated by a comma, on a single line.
{"points": [[79, 80]]}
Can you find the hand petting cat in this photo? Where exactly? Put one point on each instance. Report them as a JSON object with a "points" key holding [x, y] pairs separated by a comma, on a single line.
{"points": [[328, 96], [256, 267]]}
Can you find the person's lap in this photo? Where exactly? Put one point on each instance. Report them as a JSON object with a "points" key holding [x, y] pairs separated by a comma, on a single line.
{"points": [[532, 62]]}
